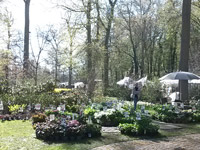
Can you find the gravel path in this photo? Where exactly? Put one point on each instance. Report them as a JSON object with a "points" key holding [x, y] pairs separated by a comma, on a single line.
{"points": [[187, 142]]}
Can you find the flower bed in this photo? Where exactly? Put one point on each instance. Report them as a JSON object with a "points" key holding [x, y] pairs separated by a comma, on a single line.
{"points": [[172, 114], [73, 130], [61, 127]]}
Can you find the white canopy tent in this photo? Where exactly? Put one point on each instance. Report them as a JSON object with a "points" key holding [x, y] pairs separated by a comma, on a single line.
{"points": [[125, 82], [129, 82]]}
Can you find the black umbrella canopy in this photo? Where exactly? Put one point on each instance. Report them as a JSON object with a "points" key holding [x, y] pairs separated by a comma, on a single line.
{"points": [[181, 75]]}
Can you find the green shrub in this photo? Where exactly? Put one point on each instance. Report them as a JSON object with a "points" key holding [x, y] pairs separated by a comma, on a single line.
{"points": [[50, 112], [93, 129], [14, 109], [119, 92], [139, 127], [89, 112], [128, 129], [110, 117], [152, 92]]}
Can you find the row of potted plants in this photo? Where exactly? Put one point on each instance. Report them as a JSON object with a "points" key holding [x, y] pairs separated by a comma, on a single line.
{"points": [[73, 130]]}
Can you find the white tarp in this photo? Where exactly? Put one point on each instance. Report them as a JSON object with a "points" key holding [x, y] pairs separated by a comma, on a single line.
{"points": [[79, 85], [142, 81], [124, 82]]}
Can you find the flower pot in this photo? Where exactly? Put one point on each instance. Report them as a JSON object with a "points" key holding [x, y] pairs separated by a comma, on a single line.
{"points": [[89, 135], [72, 138]]}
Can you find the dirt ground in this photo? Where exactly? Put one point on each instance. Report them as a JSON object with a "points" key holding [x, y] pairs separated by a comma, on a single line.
{"points": [[187, 142]]}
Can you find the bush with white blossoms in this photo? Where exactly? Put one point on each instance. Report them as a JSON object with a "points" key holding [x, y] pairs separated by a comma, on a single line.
{"points": [[107, 112]]}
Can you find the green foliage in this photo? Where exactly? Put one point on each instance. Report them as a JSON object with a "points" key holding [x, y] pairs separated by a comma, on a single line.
{"points": [[139, 127], [15, 108], [42, 94], [128, 129], [152, 92], [93, 129], [168, 113], [75, 97], [119, 92], [89, 111], [51, 112]]}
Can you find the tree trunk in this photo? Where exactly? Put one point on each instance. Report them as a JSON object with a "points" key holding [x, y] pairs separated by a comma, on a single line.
{"points": [[8, 48], [56, 66], [90, 78], [26, 39], [185, 45], [160, 55], [70, 62], [106, 46]]}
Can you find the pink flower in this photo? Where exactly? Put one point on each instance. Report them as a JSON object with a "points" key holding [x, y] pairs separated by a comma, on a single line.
{"points": [[73, 123]]}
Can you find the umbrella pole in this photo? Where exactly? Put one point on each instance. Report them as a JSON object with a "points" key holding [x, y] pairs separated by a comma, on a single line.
{"points": [[179, 90]]}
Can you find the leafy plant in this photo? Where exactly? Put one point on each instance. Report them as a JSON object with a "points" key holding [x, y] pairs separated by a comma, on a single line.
{"points": [[15, 108], [38, 118], [139, 127], [93, 129]]}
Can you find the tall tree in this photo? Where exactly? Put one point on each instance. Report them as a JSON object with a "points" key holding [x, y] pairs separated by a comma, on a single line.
{"points": [[110, 17], [42, 38], [89, 48], [72, 29], [55, 40], [26, 39], [7, 20], [185, 45]]}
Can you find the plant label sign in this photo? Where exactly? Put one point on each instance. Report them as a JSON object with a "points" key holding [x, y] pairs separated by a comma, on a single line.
{"points": [[62, 107], [90, 119], [142, 109], [138, 116], [37, 106], [126, 114], [59, 108], [29, 107], [146, 112], [163, 107], [104, 108], [21, 109], [194, 109], [63, 122], [1, 105], [52, 117], [182, 105], [68, 117]]}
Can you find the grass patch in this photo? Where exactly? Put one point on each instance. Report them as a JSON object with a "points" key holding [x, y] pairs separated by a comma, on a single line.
{"points": [[186, 129], [15, 135]]}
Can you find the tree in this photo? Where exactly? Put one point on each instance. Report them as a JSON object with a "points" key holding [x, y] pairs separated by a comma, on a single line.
{"points": [[7, 20], [70, 37], [26, 39], [185, 45], [55, 40], [42, 38], [110, 17]]}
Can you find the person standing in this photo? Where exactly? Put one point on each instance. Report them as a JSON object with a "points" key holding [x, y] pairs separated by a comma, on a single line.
{"points": [[135, 95]]}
